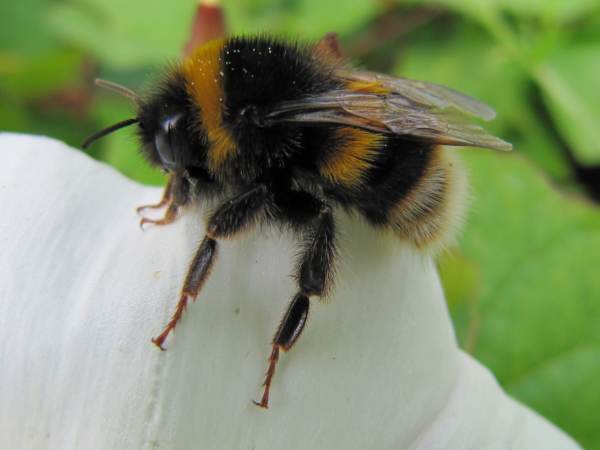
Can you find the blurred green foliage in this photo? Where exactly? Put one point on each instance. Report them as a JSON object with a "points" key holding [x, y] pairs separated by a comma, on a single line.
{"points": [[522, 286]]}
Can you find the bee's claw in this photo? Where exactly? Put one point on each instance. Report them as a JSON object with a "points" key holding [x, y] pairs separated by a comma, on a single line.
{"points": [[261, 404], [144, 221], [169, 217], [139, 209], [159, 343], [166, 198]]}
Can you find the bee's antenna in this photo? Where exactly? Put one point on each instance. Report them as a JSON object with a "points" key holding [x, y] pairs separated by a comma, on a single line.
{"points": [[119, 89], [108, 130]]}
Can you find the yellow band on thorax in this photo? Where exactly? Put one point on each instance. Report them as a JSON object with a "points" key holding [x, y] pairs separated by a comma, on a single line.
{"points": [[203, 72]]}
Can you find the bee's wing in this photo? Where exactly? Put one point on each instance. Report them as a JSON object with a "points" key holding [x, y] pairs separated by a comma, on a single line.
{"points": [[421, 92], [399, 106]]}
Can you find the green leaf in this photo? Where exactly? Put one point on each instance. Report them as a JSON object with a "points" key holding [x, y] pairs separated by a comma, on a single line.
{"points": [[534, 320], [48, 72], [23, 31], [125, 35], [461, 280], [470, 61], [13, 116], [569, 81], [465, 7], [306, 19], [572, 380], [114, 32], [551, 10]]}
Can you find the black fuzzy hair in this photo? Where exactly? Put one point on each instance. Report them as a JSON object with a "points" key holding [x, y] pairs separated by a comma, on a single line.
{"points": [[168, 97]]}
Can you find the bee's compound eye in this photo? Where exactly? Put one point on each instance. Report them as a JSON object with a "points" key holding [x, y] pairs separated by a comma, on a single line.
{"points": [[165, 140]]}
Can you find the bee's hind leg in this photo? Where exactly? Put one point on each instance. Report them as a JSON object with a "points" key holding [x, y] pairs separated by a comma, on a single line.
{"points": [[176, 194], [314, 275]]}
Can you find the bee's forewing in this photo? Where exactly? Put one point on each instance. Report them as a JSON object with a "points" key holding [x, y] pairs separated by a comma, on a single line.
{"points": [[409, 108], [423, 93]]}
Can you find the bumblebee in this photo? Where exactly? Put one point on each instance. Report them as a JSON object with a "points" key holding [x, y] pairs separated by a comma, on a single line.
{"points": [[284, 133]]}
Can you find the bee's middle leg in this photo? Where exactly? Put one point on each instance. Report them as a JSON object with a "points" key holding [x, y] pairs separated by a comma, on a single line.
{"points": [[234, 216], [314, 275]]}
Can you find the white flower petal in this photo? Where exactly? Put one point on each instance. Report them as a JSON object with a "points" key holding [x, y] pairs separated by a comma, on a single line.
{"points": [[83, 289]]}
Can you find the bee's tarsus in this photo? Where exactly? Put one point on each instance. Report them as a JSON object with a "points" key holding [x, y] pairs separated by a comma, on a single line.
{"points": [[168, 218], [166, 197], [159, 343]]}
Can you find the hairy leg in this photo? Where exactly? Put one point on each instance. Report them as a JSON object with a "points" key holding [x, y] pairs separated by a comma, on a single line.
{"points": [[314, 275], [234, 216]]}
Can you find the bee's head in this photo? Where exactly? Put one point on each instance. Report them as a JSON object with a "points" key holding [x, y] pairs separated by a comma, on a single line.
{"points": [[168, 126]]}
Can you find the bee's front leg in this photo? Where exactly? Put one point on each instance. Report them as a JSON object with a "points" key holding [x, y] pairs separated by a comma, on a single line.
{"points": [[176, 194], [164, 200]]}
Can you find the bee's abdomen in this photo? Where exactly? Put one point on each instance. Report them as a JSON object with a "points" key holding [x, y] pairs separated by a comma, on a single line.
{"points": [[415, 190], [429, 214]]}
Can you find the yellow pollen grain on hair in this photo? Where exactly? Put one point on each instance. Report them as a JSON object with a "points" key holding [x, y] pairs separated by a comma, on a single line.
{"points": [[204, 76], [352, 157]]}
